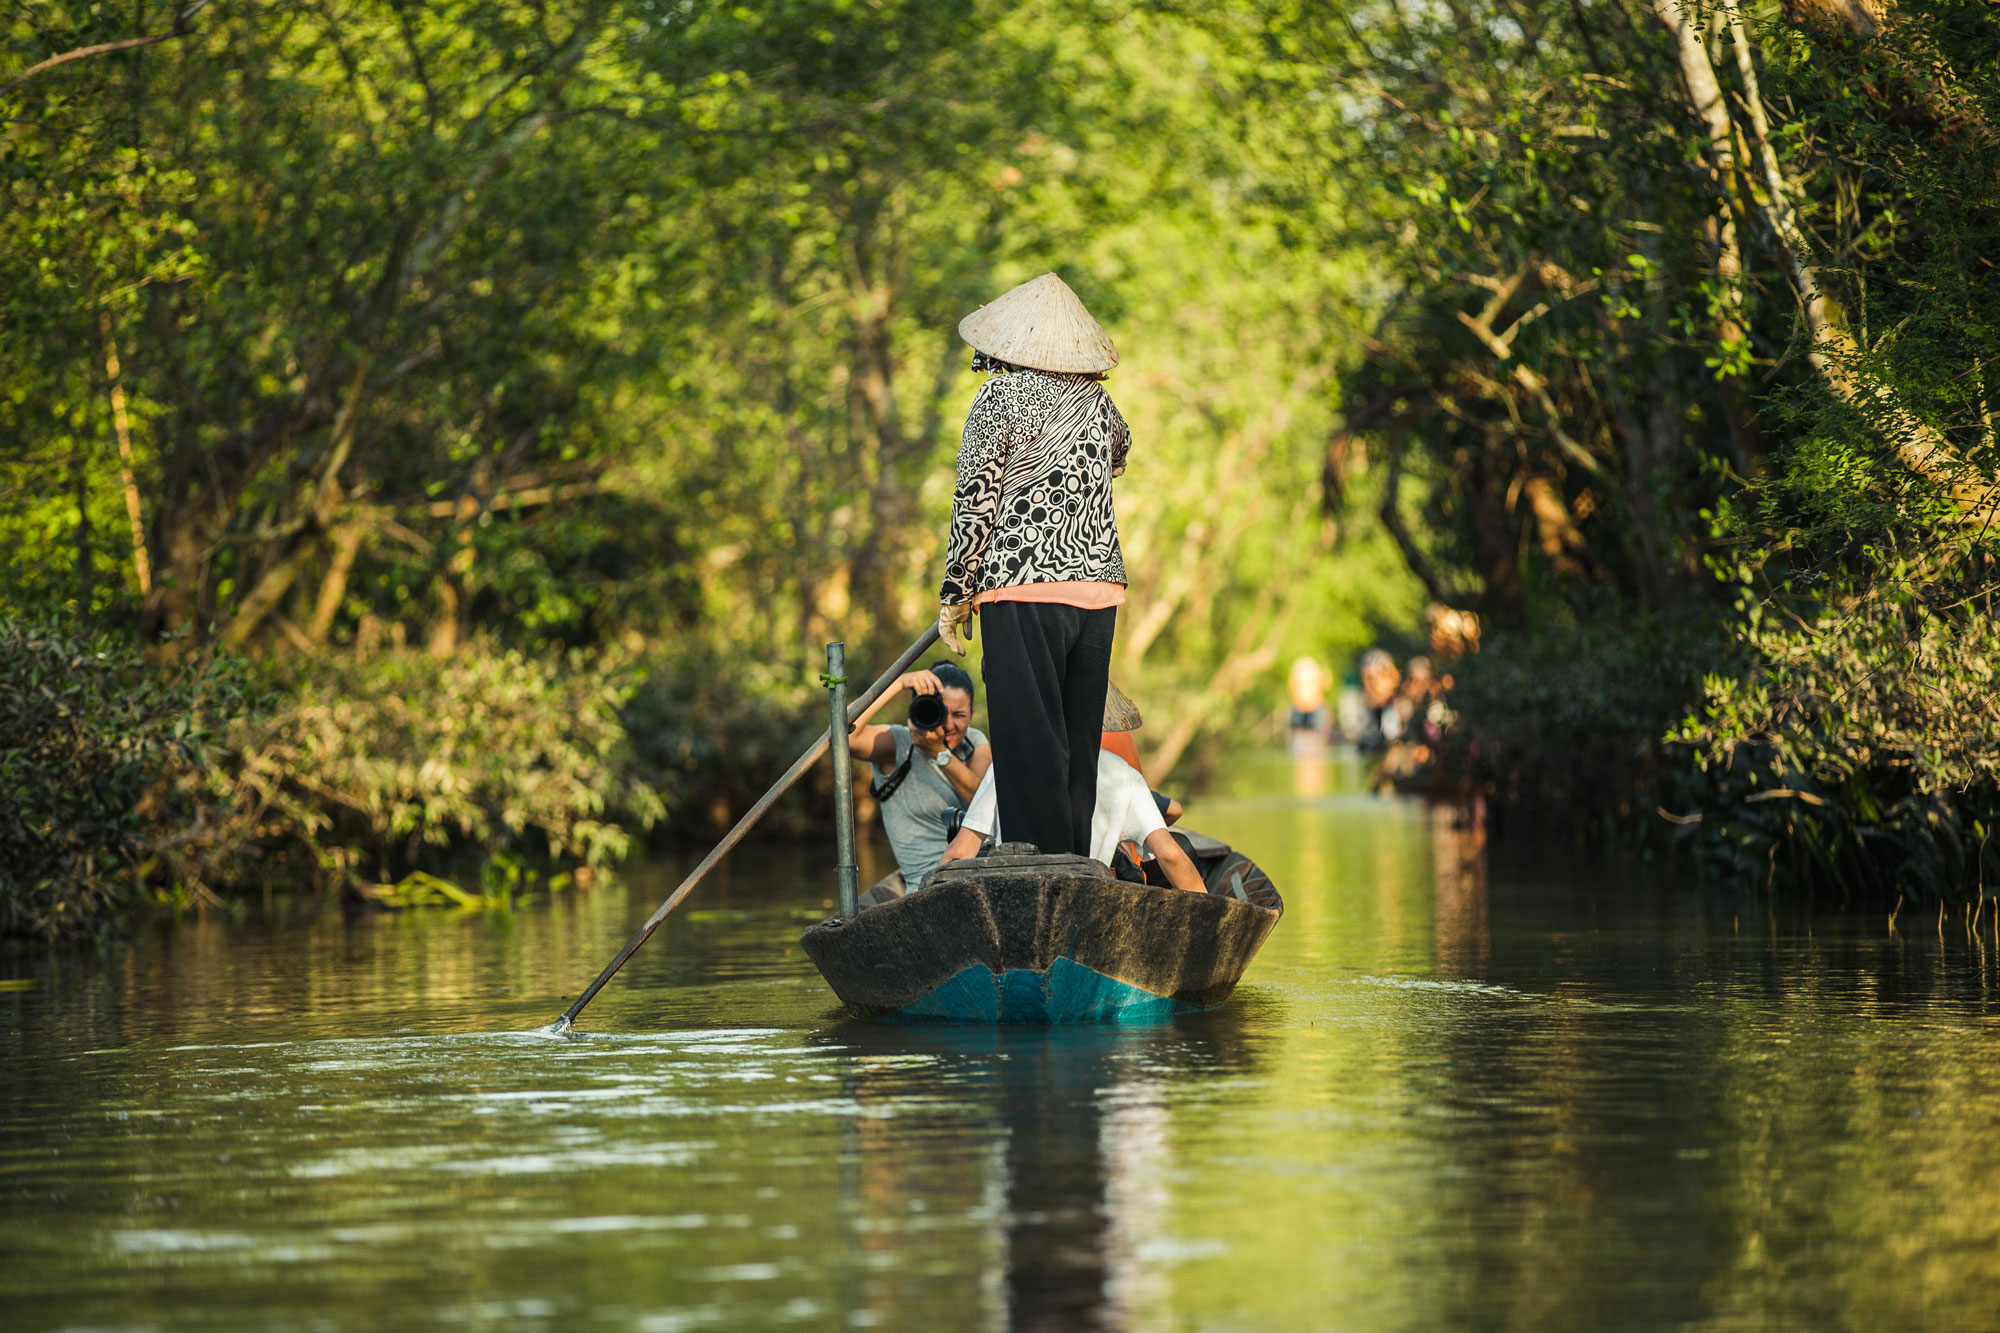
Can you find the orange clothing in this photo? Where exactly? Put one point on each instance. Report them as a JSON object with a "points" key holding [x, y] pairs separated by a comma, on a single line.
{"points": [[1121, 744], [1090, 596]]}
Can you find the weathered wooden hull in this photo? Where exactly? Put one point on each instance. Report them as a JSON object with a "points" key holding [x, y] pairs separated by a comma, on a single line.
{"points": [[1041, 939]]}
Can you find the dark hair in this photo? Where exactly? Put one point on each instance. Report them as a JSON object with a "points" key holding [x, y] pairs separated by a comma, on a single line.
{"points": [[954, 677], [994, 365], [981, 361]]}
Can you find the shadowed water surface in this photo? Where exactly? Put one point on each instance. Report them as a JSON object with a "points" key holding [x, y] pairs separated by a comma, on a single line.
{"points": [[1571, 1097]]}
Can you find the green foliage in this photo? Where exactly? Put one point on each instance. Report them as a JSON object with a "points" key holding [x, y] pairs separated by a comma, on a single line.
{"points": [[1862, 752], [1629, 364], [615, 325], [374, 767], [711, 733], [89, 732], [472, 349], [1545, 368], [503, 879], [1569, 722], [1858, 748], [128, 784]]}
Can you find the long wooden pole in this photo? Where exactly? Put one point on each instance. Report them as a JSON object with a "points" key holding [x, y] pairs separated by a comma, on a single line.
{"points": [[744, 825], [846, 876]]}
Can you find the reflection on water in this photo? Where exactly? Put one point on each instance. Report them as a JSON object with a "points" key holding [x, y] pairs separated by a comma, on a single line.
{"points": [[1077, 1141], [1446, 1095]]}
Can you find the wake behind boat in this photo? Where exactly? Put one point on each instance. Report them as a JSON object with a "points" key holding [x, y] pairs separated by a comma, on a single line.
{"points": [[1014, 936]]}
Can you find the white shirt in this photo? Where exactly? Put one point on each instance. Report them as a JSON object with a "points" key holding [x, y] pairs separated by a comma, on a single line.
{"points": [[982, 813], [1125, 811]]}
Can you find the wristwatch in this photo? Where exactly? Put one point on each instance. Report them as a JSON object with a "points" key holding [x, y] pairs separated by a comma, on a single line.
{"points": [[943, 759]]}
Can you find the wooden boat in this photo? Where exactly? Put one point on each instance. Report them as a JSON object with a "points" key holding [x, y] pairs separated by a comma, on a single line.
{"points": [[1014, 936]]}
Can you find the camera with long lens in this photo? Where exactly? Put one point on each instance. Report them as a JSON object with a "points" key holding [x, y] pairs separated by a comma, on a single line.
{"points": [[927, 713]]}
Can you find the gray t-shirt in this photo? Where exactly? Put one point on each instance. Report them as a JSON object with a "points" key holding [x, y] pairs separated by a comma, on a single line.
{"points": [[914, 816]]}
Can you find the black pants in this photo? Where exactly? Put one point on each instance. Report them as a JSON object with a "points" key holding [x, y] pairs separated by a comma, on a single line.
{"points": [[1046, 666]]}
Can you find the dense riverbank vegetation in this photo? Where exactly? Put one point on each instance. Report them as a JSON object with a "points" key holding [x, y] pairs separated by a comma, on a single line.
{"points": [[460, 424], [1687, 360]]}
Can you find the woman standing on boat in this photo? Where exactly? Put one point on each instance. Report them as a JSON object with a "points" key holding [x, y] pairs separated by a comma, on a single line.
{"points": [[1034, 545]]}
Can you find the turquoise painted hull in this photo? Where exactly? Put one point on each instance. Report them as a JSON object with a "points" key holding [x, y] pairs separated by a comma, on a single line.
{"points": [[1017, 937], [1068, 992]]}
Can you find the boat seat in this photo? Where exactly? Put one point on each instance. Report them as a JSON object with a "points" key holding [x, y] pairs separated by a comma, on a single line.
{"points": [[885, 890], [1010, 849], [1237, 876], [1200, 846], [1019, 856]]}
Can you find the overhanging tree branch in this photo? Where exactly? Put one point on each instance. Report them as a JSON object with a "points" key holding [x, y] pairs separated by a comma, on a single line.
{"points": [[181, 28], [1832, 351]]}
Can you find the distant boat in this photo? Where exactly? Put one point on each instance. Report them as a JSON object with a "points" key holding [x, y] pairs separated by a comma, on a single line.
{"points": [[1014, 936]]}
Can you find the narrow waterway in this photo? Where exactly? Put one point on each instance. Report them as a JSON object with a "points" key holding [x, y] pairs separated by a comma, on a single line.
{"points": [[1581, 1097]]}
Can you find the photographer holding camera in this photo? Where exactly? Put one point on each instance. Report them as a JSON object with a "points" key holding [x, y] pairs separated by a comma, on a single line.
{"points": [[924, 773]]}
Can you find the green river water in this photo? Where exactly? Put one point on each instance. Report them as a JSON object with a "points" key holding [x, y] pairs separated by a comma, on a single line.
{"points": [[1579, 1097]]}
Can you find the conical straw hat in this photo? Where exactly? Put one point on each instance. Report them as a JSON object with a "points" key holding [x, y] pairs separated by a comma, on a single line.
{"points": [[1041, 324], [1120, 713]]}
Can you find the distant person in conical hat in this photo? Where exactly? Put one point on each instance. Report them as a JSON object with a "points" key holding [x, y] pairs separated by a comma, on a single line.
{"points": [[1034, 546], [1308, 684]]}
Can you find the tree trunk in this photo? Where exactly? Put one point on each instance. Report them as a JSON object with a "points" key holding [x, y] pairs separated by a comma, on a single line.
{"points": [[878, 555], [1711, 109], [346, 544], [454, 588], [1496, 535], [1639, 529], [1556, 532], [141, 567], [443, 641], [1250, 656], [1859, 16], [270, 590], [454, 582], [1391, 514], [80, 481], [1920, 447], [1148, 624], [278, 579]]}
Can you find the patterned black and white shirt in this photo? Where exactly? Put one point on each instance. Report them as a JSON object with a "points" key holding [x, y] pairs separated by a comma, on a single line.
{"points": [[1034, 486]]}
